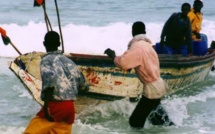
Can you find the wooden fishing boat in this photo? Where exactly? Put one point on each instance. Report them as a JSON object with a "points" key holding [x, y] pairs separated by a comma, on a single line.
{"points": [[108, 82]]}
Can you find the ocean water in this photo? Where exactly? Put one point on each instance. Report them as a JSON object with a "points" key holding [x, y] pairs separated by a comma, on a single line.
{"points": [[91, 26]]}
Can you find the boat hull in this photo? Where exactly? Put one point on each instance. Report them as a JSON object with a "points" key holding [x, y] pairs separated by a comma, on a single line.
{"points": [[108, 82], [107, 79]]}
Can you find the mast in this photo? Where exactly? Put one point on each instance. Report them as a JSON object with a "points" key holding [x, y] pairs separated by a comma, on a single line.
{"points": [[58, 16]]}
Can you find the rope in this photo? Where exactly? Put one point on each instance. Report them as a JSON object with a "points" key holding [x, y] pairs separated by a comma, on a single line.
{"points": [[29, 61]]}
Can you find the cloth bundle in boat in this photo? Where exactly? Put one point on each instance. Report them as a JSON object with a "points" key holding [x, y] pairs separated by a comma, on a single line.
{"points": [[32, 63]]}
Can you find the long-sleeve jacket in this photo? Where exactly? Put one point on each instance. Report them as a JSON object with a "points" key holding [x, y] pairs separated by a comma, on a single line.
{"points": [[177, 32], [196, 21], [142, 57]]}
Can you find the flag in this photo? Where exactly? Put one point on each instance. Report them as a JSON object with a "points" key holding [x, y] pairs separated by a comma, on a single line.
{"points": [[5, 39], [38, 3], [3, 32]]}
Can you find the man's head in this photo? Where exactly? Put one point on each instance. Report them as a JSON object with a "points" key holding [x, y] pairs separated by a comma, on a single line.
{"points": [[198, 4], [51, 41], [138, 27], [185, 9]]}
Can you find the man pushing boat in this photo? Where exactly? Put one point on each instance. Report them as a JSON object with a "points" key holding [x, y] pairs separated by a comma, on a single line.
{"points": [[142, 57]]}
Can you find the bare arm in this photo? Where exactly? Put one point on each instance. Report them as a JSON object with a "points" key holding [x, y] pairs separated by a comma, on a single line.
{"points": [[47, 97]]}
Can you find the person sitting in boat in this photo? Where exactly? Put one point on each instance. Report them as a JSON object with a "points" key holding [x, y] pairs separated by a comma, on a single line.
{"points": [[176, 33], [142, 57], [61, 82], [196, 17]]}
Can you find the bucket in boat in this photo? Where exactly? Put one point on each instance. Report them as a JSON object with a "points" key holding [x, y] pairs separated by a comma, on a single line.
{"points": [[200, 47], [159, 49]]}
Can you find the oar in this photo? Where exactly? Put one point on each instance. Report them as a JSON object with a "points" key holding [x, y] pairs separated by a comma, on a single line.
{"points": [[58, 16], [7, 40]]}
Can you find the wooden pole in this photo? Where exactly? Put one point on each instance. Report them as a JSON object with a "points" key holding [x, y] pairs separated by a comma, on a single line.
{"points": [[15, 48], [7, 40], [48, 24], [61, 35]]}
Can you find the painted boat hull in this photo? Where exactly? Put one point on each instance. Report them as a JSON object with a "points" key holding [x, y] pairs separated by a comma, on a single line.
{"points": [[108, 82], [107, 79], [34, 85]]}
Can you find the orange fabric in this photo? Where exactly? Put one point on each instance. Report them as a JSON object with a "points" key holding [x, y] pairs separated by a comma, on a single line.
{"points": [[3, 32], [196, 22], [60, 111], [39, 125]]}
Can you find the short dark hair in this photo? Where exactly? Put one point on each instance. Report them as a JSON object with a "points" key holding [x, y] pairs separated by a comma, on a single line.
{"points": [[186, 4], [52, 38], [198, 2], [138, 27]]}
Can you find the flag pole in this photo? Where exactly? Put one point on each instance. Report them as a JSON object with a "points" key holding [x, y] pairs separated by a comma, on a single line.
{"points": [[48, 24], [15, 48], [58, 16], [7, 40]]}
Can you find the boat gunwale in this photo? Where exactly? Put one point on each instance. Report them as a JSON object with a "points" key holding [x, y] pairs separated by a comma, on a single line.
{"points": [[164, 59]]}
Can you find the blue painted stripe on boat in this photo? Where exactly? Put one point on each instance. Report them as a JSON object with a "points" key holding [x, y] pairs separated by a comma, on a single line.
{"points": [[96, 63], [105, 96], [164, 76]]}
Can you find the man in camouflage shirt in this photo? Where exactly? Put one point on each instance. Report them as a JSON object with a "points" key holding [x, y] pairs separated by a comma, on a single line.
{"points": [[61, 81]]}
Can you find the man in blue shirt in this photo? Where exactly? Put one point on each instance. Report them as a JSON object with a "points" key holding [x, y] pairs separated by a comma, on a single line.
{"points": [[61, 81], [176, 33]]}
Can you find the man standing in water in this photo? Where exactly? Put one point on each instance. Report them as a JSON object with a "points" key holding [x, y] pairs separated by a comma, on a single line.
{"points": [[61, 82], [195, 17], [142, 57]]}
